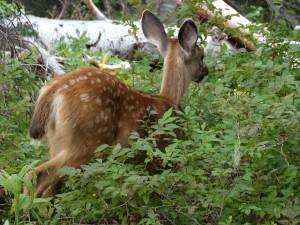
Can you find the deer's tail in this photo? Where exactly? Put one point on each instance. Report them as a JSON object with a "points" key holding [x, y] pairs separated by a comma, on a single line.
{"points": [[41, 115]]}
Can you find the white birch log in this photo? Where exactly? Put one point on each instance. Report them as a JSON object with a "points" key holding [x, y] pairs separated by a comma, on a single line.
{"points": [[113, 36]]}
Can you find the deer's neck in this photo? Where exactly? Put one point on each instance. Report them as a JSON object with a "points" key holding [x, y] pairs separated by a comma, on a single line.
{"points": [[174, 82]]}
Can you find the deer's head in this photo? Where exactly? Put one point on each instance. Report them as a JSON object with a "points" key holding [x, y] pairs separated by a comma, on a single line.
{"points": [[183, 58]]}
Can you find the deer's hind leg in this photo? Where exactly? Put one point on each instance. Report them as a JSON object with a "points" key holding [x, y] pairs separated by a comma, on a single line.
{"points": [[63, 151], [47, 177]]}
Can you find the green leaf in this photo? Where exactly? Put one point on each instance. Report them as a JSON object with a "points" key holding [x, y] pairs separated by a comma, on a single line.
{"points": [[146, 199], [167, 114]]}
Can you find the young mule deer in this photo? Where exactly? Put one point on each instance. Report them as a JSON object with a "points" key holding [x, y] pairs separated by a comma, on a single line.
{"points": [[85, 108]]}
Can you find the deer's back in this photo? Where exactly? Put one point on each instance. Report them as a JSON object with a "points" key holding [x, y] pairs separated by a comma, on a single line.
{"points": [[90, 108]]}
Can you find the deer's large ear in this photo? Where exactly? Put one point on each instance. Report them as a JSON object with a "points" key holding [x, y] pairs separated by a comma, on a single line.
{"points": [[154, 31], [188, 35]]}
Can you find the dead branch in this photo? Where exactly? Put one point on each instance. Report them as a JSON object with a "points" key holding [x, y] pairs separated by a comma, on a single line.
{"points": [[102, 66], [65, 4], [97, 13], [46, 59], [236, 21]]}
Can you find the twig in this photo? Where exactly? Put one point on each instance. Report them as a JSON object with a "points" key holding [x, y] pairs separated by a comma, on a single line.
{"points": [[97, 13], [237, 149], [108, 7], [272, 9], [188, 215], [284, 156], [47, 59], [102, 66], [64, 4]]}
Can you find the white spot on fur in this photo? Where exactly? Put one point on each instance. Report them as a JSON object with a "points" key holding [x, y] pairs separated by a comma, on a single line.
{"points": [[105, 118], [72, 82], [84, 97], [83, 78], [113, 82], [98, 101], [92, 81], [89, 74], [98, 80]]}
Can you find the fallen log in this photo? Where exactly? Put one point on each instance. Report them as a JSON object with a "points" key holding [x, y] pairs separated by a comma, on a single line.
{"points": [[122, 39]]}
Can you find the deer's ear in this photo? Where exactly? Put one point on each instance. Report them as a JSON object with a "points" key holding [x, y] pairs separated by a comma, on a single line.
{"points": [[154, 31], [188, 35]]}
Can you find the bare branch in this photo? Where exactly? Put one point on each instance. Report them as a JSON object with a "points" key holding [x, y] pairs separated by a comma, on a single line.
{"points": [[102, 66], [48, 60], [272, 8], [235, 22], [97, 13], [65, 4]]}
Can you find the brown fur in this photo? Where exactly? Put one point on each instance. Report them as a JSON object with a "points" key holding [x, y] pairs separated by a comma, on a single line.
{"points": [[85, 108]]}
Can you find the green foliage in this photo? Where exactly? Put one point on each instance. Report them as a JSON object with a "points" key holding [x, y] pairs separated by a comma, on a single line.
{"points": [[236, 163], [73, 50], [18, 87], [23, 205], [7, 8]]}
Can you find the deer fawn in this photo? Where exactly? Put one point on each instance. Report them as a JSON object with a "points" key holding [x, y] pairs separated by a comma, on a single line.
{"points": [[85, 108]]}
